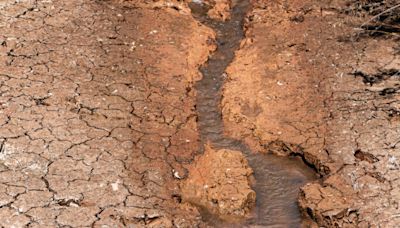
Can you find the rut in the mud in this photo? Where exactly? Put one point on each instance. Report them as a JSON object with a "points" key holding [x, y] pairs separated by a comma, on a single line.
{"points": [[277, 179]]}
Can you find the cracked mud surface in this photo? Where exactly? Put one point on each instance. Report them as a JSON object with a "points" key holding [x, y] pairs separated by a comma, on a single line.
{"points": [[98, 119], [97, 112], [307, 81]]}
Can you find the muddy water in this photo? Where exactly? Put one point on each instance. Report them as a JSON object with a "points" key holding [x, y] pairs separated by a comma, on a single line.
{"points": [[277, 179]]}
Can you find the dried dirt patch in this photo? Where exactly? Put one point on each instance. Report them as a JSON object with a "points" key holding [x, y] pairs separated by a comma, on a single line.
{"points": [[96, 112]]}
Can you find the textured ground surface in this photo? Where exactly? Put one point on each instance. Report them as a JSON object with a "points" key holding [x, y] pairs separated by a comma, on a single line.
{"points": [[220, 181], [98, 119], [307, 82], [96, 112]]}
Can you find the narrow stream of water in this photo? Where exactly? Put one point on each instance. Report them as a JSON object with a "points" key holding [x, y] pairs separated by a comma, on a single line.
{"points": [[277, 179]]}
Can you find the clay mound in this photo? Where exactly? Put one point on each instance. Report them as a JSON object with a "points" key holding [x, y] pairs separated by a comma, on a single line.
{"points": [[220, 182], [221, 10]]}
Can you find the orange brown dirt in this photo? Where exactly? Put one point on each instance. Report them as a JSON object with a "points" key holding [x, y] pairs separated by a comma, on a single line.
{"points": [[98, 122], [219, 181], [97, 112], [308, 81], [220, 9]]}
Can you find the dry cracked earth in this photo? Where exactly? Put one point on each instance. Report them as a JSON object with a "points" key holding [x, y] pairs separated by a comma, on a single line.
{"points": [[98, 122], [95, 120]]}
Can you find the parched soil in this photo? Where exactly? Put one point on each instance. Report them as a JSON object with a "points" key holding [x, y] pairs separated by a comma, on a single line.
{"points": [[97, 116], [309, 81], [98, 119]]}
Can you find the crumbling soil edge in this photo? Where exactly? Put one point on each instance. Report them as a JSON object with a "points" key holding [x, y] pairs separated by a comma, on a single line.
{"points": [[278, 147], [337, 121]]}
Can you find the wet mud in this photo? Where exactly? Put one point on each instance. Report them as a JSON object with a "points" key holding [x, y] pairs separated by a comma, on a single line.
{"points": [[277, 179]]}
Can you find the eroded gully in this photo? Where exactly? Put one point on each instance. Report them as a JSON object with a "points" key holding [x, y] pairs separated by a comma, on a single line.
{"points": [[277, 179]]}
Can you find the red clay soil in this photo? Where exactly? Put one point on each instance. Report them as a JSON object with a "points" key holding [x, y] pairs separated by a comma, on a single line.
{"points": [[97, 112], [308, 81], [219, 181], [220, 9], [98, 117]]}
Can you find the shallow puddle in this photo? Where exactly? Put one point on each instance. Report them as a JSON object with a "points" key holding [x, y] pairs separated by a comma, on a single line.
{"points": [[278, 179]]}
